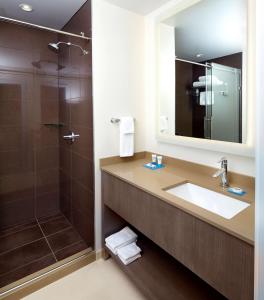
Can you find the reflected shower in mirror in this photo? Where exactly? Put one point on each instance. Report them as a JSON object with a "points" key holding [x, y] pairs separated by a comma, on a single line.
{"points": [[201, 64]]}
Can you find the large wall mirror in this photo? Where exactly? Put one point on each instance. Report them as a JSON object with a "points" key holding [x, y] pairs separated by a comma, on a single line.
{"points": [[202, 71]]}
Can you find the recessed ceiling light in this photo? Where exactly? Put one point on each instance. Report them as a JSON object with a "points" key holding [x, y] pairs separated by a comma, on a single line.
{"points": [[25, 7], [199, 55]]}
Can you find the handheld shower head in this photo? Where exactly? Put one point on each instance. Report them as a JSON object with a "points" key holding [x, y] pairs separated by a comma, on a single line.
{"points": [[56, 46]]}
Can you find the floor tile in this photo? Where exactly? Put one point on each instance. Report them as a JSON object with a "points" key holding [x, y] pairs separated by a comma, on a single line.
{"points": [[14, 229], [26, 270], [20, 238], [70, 250], [23, 255], [49, 218], [63, 239], [54, 225]]}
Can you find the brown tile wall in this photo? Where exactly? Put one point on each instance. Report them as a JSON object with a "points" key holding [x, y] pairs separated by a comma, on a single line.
{"points": [[75, 112], [183, 100], [29, 170]]}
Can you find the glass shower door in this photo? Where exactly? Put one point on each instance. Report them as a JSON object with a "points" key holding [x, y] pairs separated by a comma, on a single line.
{"points": [[223, 104], [226, 108]]}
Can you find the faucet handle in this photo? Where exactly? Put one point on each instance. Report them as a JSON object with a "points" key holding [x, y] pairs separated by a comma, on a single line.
{"points": [[223, 159]]}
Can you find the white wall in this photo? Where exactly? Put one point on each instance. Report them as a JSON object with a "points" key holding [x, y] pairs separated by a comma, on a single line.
{"points": [[167, 76], [238, 164], [259, 244], [118, 83], [124, 76]]}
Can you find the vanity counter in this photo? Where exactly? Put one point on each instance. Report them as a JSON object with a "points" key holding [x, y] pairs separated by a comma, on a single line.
{"points": [[176, 172]]}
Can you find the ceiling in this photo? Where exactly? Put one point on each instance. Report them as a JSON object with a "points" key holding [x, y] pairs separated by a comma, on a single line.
{"points": [[50, 13], [213, 28], [142, 7]]}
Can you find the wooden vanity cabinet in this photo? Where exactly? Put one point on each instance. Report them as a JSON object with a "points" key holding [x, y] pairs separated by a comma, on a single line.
{"points": [[223, 261]]}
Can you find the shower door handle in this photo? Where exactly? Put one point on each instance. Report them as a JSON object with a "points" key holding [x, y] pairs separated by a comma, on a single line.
{"points": [[71, 137]]}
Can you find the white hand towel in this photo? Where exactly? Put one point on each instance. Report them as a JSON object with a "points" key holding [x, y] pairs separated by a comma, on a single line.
{"points": [[127, 252], [206, 98], [130, 260], [120, 239], [127, 131], [164, 124]]}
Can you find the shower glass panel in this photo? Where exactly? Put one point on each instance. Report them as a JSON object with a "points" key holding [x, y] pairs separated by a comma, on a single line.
{"points": [[46, 181], [226, 108]]}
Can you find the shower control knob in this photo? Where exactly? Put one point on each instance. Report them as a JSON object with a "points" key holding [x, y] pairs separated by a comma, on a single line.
{"points": [[71, 137]]}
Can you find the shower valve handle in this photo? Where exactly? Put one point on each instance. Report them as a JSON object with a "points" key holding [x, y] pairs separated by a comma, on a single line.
{"points": [[71, 137]]}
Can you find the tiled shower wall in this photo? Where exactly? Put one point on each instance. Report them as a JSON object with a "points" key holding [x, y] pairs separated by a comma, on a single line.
{"points": [[75, 107], [40, 173], [29, 153]]}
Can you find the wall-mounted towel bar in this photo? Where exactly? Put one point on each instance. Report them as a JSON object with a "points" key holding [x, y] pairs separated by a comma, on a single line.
{"points": [[116, 120]]}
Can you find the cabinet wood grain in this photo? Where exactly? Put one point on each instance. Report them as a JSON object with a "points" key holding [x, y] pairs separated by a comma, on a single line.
{"points": [[223, 261]]}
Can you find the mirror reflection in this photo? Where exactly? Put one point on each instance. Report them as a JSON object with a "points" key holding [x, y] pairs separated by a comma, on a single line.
{"points": [[201, 71]]}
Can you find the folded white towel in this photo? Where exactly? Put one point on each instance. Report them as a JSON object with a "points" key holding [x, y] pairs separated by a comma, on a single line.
{"points": [[127, 252], [127, 131], [130, 260], [120, 239], [207, 80], [197, 84], [207, 98], [210, 79]]}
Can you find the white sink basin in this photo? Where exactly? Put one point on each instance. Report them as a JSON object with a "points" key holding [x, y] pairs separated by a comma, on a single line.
{"points": [[217, 203]]}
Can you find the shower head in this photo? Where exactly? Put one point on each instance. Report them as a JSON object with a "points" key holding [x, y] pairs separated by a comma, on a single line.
{"points": [[56, 46]]}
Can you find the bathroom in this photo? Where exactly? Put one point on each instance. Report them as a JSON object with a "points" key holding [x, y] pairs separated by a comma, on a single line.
{"points": [[134, 117]]}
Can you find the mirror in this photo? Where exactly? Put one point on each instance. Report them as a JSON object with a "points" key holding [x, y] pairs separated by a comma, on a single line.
{"points": [[202, 73]]}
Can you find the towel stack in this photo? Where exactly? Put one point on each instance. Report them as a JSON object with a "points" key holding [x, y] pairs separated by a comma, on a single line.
{"points": [[123, 244], [207, 80]]}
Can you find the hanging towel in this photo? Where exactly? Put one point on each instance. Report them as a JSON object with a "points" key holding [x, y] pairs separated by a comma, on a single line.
{"points": [[127, 131], [164, 126], [129, 253], [206, 98], [120, 239]]}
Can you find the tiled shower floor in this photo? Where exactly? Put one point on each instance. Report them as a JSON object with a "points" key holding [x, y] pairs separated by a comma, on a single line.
{"points": [[31, 247]]}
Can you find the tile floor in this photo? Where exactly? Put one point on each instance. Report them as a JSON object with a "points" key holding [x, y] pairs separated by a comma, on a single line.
{"points": [[101, 280], [28, 248]]}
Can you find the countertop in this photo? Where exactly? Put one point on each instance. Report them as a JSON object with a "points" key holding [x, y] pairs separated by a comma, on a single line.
{"points": [[155, 182]]}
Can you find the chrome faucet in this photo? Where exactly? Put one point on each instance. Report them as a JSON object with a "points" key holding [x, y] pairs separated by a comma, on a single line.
{"points": [[223, 173]]}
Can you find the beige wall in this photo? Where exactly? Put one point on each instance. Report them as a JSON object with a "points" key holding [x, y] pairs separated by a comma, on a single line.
{"points": [[259, 245], [124, 84], [118, 72]]}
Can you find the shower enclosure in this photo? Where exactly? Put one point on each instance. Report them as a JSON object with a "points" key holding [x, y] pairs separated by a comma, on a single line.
{"points": [[208, 100], [226, 105], [46, 149]]}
